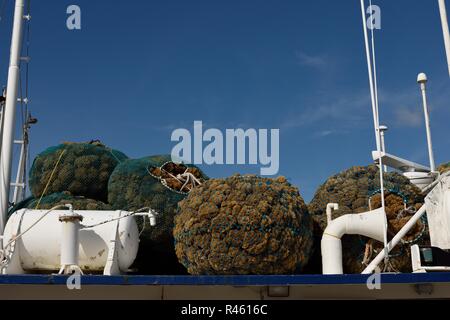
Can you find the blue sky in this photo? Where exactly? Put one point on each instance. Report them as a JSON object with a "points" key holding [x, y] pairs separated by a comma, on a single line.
{"points": [[139, 69]]}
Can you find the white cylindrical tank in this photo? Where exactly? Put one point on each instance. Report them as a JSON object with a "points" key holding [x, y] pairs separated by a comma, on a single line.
{"points": [[40, 248]]}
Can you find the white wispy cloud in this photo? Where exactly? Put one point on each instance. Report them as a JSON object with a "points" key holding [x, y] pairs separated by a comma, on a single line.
{"points": [[408, 117], [314, 61], [343, 110], [401, 108]]}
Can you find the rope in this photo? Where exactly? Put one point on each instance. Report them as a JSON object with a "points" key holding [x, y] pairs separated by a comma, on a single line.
{"points": [[122, 217], [4, 259], [183, 178], [50, 179]]}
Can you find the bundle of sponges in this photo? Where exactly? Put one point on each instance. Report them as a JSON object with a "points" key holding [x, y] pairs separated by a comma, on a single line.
{"points": [[352, 189], [81, 169], [159, 183], [243, 225]]}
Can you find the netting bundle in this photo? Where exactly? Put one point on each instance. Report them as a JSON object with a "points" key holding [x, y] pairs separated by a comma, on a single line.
{"points": [[443, 168], [357, 190], [83, 170], [243, 225], [158, 183], [61, 198]]}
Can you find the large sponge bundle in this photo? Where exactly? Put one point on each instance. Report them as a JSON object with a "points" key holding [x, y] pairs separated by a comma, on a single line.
{"points": [[151, 182], [443, 168], [243, 225], [83, 170], [352, 189]]}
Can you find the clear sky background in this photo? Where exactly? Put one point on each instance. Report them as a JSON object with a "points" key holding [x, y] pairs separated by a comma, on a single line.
{"points": [[139, 69]]}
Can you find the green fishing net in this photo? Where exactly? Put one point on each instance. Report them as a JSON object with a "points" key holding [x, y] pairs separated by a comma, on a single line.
{"points": [[352, 189], [84, 170], [138, 183], [243, 225], [60, 198]]}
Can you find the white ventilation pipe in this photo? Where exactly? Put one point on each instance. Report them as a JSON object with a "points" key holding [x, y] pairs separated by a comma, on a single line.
{"points": [[70, 241], [369, 224], [330, 208]]}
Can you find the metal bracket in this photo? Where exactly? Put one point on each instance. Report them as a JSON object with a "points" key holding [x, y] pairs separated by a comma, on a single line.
{"points": [[13, 266], [112, 266]]}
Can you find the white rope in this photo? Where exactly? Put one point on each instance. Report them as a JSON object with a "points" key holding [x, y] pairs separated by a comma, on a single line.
{"points": [[121, 217], [184, 178], [4, 258], [371, 65], [380, 160]]}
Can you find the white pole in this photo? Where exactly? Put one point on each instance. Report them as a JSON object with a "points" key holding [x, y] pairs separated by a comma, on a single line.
{"points": [[10, 110], [383, 130], [445, 31], [369, 66], [20, 181], [422, 80], [396, 240]]}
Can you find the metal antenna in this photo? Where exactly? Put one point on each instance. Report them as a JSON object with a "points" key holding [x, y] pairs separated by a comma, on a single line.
{"points": [[422, 80]]}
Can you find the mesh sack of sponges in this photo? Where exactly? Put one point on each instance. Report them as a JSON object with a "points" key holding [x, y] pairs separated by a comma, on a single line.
{"points": [[243, 225], [60, 198], [357, 190], [443, 168], [158, 183], [83, 169]]}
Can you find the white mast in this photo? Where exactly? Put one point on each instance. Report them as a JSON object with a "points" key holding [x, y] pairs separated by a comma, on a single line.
{"points": [[9, 112], [444, 19]]}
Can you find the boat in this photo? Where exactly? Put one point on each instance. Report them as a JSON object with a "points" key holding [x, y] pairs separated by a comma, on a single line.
{"points": [[36, 241]]}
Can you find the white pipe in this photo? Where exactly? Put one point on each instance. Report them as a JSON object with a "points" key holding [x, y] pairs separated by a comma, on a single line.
{"points": [[383, 130], [445, 30], [422, 80], [369, 224], [70, 239], [330, 208], [396, 240], [9, 114]]}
